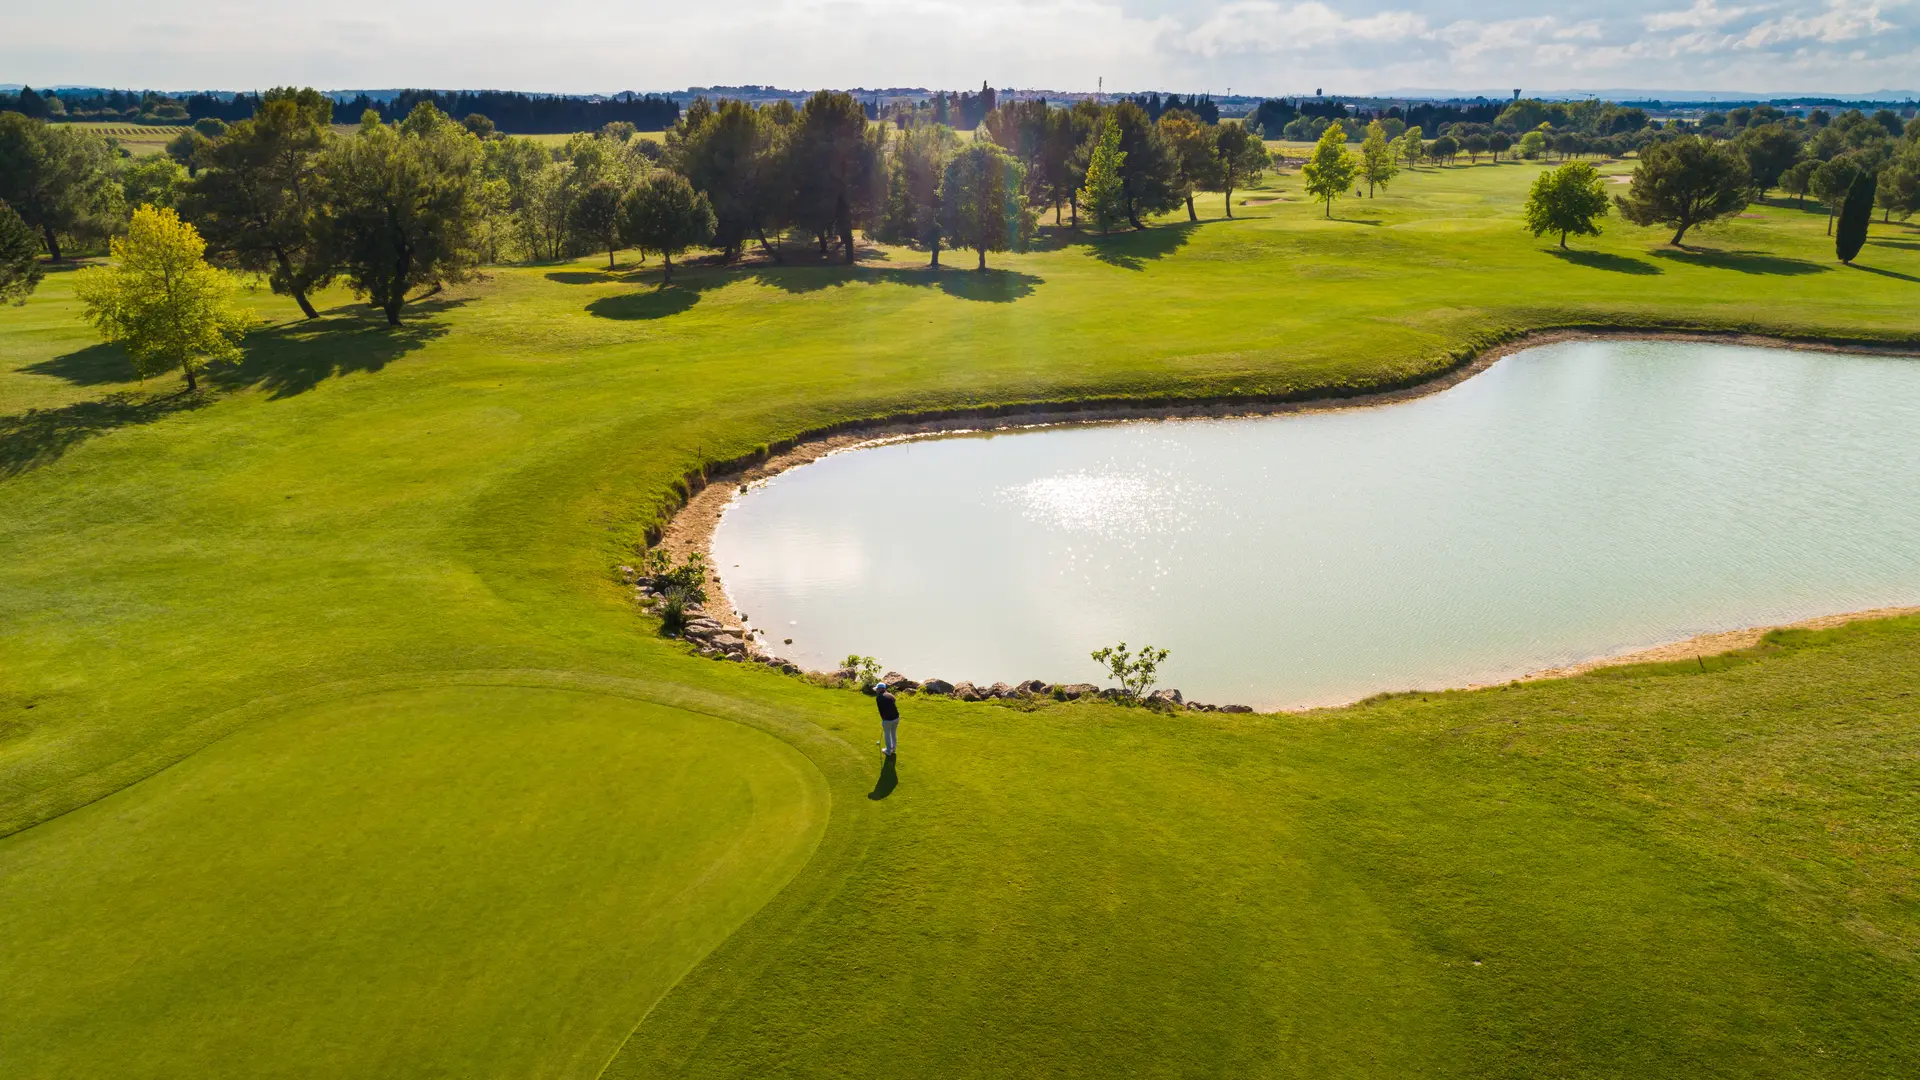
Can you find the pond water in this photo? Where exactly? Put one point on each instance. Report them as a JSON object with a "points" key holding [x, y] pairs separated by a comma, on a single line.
{"points": [[1573, 501]]}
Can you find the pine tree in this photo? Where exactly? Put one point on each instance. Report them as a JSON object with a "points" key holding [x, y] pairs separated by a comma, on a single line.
{"points": [[19, 257], [1329, 171], [1103, 195], [1850, 235]]}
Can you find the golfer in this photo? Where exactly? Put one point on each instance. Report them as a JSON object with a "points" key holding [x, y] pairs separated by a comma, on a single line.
{"points": [[889, 717]]}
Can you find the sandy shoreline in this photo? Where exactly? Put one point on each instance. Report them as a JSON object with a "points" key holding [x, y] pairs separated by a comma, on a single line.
{"points": [[691, 529]]}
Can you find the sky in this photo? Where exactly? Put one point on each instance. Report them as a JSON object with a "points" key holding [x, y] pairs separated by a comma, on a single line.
{"points": [[1248, 46]]}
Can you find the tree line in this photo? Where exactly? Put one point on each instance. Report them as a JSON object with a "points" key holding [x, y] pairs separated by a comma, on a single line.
{"points": [[524, 114]]}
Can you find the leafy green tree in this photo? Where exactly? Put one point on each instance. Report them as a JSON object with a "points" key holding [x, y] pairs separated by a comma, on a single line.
{"points": [[1798, 179], [838, 166], [257, 200], [1104, 196], [1064, 156], [186, 149], [19, 257], [1769, 151], [479, 124], [1443, 149], [981, 205], [1192, 141], [1499, 143], [1856, 213], [1149, 174], [1242, 157], [1684, 183], [1135, 672], [1531, 145], [1020, 128], [401, 206], [161, 300], [1830, 182], [154, 180], [915, 169], [1898, 191], [1330, 168], [1475, 145], [1409, 147], [58, 178], [1569, 199], [1375, 163], [596, 213], [664, 214]]}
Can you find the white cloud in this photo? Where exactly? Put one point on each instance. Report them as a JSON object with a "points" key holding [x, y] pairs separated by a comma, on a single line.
{"points": [[1703, 15], [1842, 21], [1263, 26]]}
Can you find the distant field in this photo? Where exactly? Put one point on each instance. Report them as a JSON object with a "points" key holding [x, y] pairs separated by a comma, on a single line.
{"points": [[139, 139], [560, 139]]}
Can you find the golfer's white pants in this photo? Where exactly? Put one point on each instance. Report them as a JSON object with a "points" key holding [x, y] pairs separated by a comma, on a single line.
{"points": [[891, 729]]}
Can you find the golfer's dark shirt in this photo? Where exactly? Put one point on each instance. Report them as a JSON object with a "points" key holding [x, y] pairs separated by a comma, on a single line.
{"points": [[888, 710]]}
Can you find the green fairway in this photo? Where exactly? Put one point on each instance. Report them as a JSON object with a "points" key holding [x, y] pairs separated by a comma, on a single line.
{"points": [[468, 876], [330, 745]]}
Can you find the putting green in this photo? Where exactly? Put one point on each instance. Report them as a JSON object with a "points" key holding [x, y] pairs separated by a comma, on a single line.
{"points": [[440, 881]]}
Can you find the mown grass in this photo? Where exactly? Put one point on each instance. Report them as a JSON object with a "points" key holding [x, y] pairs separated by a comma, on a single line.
{"points": [[1660, 872]]}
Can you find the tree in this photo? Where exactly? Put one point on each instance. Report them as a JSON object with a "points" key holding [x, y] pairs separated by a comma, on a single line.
{"points": [[1684, 183], [1569, 199], [915, 170], [479, 124], [596, 213], [1329, 169], [1242, 157], [401, 205], [838, 161], [1063, 156], [1531, 145], [1898, 191], [257, 200], [739, 158], [1103, 195], [980, 201], [161, 300], [1443, 148], [1499, 142], [1796, 180], [19, 257], [1409, 147], [58, 178], [154, 180], [1856, 213], [1830, 182], [1376, 165], [1135, 672], [1475, 145], [1149, 175], [1196, 166], [1769, 151], [666, 215]]}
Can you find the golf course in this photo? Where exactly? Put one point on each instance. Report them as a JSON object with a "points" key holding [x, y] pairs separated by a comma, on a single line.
{"points": [[332, 743]]}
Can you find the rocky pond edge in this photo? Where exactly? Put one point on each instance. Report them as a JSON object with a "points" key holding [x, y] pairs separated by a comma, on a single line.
{"points": [[719, 632]]}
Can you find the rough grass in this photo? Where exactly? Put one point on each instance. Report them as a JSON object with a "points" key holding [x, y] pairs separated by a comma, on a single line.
{"points": [[1660, 872]]}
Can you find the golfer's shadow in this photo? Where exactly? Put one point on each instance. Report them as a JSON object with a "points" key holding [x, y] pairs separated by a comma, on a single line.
{"points": [[889, 779]]}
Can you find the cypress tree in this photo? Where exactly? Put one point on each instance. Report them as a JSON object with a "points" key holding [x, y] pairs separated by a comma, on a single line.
{"points": [[1855, 214]]}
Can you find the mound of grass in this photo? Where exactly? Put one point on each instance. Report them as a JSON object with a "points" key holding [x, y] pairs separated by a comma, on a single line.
{"points": [[1660, 873]]}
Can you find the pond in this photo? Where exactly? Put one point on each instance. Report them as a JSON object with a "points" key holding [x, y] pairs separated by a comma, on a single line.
{"points": [[1573, 501]]}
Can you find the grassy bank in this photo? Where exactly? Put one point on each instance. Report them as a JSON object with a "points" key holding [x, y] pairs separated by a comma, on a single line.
{"points": [[212, 604]]}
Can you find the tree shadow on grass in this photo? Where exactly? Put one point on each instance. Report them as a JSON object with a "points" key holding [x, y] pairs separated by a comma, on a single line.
{"points": [[1606, 260], [1746, 262], [650, 304], [1904, 245], [595, 277], [994, 286], [1133, 250], [42, 436], [1885, 273], [95, 365], [294, 357]]}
